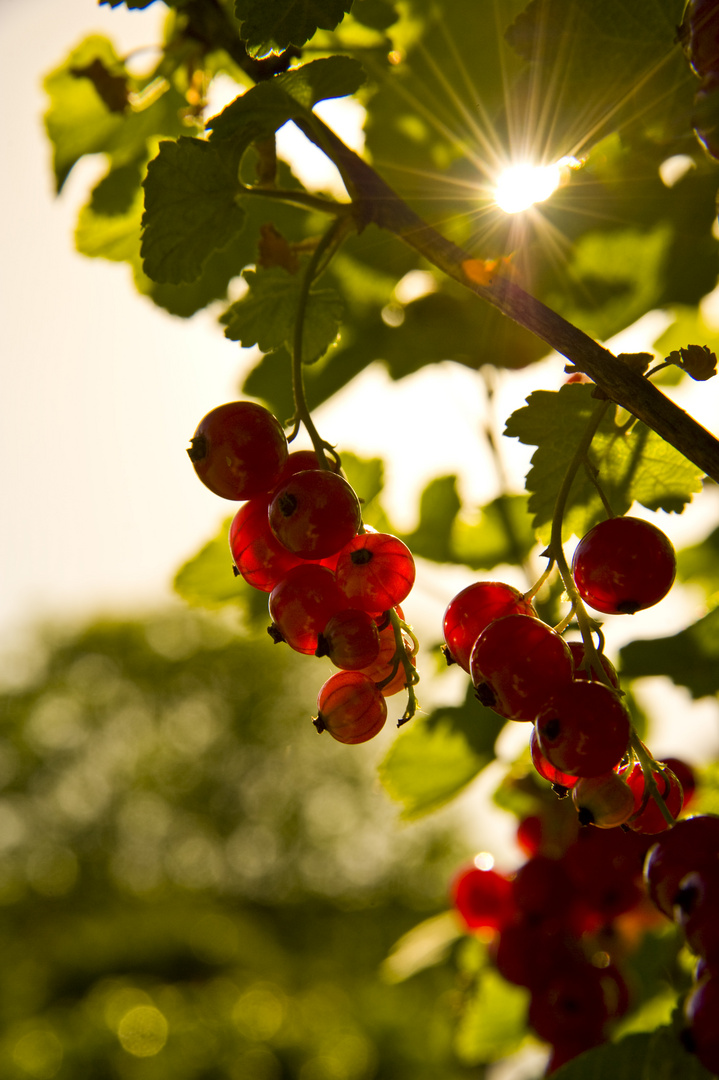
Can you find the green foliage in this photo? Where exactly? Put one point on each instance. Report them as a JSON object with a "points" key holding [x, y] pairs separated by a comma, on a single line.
{"points": [[689, 658], [494, 1020], [655, 1056], [632, 464], [266, 315], [275, 24], [436, 757]]}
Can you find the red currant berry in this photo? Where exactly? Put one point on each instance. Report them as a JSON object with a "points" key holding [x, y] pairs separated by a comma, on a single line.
{"points": [[301, 461], [584, 729], [648, 817], [259, 557], [581, 671], [605, 801], [375, 571], [350, 707], [483, 898], [571, 1006], [238, 450], [623, 565], [473, 609], [302, 604], [701, 1035], [691, 844], [516, 665], [703, 24], [530, 833], [545, 768], [350, 639], [315, 514], [695, 911], [685, 775], [383, 667]]}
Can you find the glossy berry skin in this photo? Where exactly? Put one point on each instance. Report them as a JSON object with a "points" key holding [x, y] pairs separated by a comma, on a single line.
{"points": [[649, 818], [581, 672], [314, 514], [604, 801], [690, 845], [584, 729], [260, 558], [473, 609], [545, 768], [239, 450], [350, 639], [302, 604], [482, 898], [695, 912], [701, 1010], [623, 565], [517, 663], [375, 571], [350, 708]]}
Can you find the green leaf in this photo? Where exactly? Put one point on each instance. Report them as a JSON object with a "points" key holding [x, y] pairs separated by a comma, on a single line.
{"points": [[500, 532], [494, 1020], [439, 505], [271, 103], [79, 122], [273, 25], [690, 658], [434, 758], [655, 1055], [191, 210], [266, 315], [377, 14], [634, 465], [699, 564], [207, 580]]}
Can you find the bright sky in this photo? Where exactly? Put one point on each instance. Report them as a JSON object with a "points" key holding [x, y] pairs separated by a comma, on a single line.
{"points": [[101, 390]]}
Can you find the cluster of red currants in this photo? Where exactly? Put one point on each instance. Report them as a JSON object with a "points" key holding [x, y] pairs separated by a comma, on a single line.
{"points": [[525, 670], [333, 585], [564, 923], [682, 875]]}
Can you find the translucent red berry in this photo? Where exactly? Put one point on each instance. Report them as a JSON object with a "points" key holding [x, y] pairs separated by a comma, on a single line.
{"points": [[701, 1010], [375, 571], [517, 663], [302, 604], [350, 708], [584, 729], [581, 671], [350, 639], [473, 609], [314, 514], [483, 898], [545, 768], [648, 817], [239, 450], [691, 844], [604, 801], [259, 557], [623, 565]]}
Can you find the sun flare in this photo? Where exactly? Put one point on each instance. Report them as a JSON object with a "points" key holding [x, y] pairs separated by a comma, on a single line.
{"points": [[520, 186]]}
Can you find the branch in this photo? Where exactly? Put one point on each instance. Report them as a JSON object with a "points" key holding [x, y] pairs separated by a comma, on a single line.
{"points": [[375, 202]]}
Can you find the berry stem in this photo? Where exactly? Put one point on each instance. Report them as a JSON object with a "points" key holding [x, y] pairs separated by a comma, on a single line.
{"points": [[647, 762], [401, 657], [556, 550], [324, 250], [303, 199]]}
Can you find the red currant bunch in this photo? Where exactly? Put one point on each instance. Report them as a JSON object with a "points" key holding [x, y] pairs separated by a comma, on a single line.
{"points": [[334, 587]]}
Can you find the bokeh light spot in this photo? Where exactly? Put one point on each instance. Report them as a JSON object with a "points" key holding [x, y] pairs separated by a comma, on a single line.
{"points": [[143, 1031]]}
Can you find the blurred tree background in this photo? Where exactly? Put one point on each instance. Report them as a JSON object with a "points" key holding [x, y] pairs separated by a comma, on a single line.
{"points": [[192, 883]]}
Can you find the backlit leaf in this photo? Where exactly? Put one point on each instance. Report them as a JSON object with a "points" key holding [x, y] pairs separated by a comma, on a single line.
{"points": [[272, 25], [689, 658]]}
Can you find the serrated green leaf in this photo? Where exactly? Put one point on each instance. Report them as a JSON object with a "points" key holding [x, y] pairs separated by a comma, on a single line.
{"points": [[630, 465], [206, 580], [500, 532], [435, 757], [690, 658], [79, 122], [273, 25], [687, 328], [191, 208], [266, 315], [270, 104], [494, 1020]]}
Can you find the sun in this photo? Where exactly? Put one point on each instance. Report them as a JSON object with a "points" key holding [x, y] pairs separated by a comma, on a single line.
{"points": [[520, 186]]}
